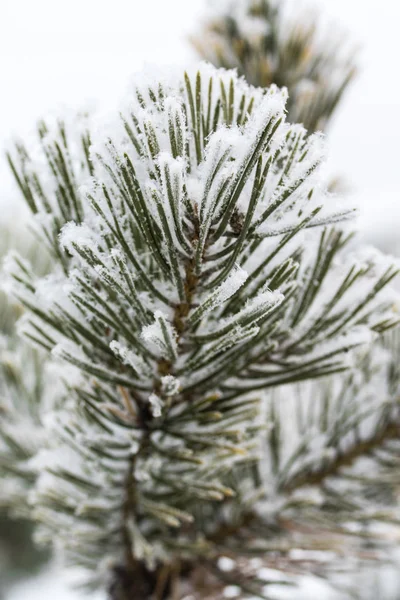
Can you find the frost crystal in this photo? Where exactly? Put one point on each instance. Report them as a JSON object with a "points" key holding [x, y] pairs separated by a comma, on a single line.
{"points": [[201, 286], [156, 405], [170, 385]]}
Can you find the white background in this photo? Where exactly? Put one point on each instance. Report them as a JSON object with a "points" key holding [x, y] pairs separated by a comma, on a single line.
{"points": [[70, 51]]}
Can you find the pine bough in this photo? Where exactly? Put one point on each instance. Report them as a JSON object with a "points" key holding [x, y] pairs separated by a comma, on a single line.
{"points": [[272, 41], [197, 272]]}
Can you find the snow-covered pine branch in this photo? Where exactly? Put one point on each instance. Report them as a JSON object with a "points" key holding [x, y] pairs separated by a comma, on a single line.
{"points": [[270, 41], [49, 172], [180, 311], [25, 378]]}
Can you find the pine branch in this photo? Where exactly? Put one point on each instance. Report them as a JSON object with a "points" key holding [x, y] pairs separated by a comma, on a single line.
{"points": [[178, 313], [363, 448], [270, 42]]}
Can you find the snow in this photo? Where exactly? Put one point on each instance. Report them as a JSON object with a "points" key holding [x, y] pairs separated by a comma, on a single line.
{"points": [[51, 583], [231, 591], [156, 404], [170, 385], [226, 564], [226, 290], [154, 333], [80, 235], [307, 587], [128, 357], [231, 285], [89, 67]]}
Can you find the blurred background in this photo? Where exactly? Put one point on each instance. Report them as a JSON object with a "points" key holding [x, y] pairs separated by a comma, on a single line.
{"points": [[80, 52]]}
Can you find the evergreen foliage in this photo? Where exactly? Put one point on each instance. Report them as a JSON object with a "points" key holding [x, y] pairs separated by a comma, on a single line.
{"points": [[352, 423], [198, 270], [275, 42], [22, 383]]}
